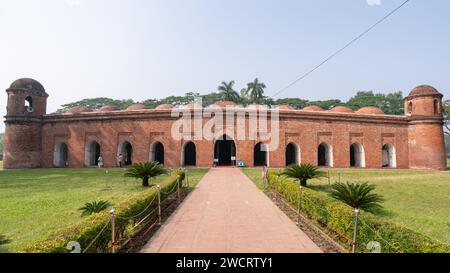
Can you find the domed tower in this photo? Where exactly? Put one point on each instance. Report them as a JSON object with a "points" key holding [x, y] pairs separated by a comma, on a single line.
{"points": [[425, 132], [27, 103]]}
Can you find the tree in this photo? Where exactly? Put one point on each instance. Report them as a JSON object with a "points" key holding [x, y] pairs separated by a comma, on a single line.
{"points": [[391, 103], [303, 173], [357, 196], [446, 112], [145, 171], [96, 103], [94, 207], [227, 91], [255, 91]]}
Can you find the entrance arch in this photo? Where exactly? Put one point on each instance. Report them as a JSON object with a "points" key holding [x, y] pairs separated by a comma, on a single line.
{"points": [[292, 154], [357, 156], [126, 150], [388, 156], [260, 155], [189, 154], [60, 155], [157, 152], [224, 149], [325, 155], [91, 153]]}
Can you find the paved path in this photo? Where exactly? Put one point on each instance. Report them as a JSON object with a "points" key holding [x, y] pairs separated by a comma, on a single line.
{"points": [[227, 213]]}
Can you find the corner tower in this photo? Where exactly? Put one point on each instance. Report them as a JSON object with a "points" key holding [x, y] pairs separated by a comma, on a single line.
{"points": [[425, 131], [27, 103]]}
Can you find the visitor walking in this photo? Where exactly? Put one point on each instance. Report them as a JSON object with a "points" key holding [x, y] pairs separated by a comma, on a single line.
{"points": [[100, 162]]}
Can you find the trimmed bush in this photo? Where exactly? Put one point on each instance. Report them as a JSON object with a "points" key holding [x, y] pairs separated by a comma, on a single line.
{"points": [[86, 230], [323, 209]]}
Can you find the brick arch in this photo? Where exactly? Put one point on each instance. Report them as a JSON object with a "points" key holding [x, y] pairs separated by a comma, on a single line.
{"points": [[189, 153], [357, 155], [292, 154], [157, 152], [60, 155], [325, 155], [389, 156], [92, 151]]}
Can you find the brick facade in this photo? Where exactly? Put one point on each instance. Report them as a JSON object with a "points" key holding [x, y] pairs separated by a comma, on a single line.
{"points": [[416, 138]]}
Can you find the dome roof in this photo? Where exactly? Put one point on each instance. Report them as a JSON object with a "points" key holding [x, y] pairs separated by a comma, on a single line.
{"points": [[224, 103], [137, 106], [341, 109], [422, 90], [28, 84], [191, 105], [285, 107], [108, 108], [78, 109], [314, 108], [370, 110], [164, 106]]}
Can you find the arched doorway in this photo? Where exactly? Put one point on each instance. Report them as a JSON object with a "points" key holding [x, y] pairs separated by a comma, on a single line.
{"points": [[157, 152], [189, 154], [357, 156], [388, 156], [260, 155], [224, 150], [126, 150], [325, 155], [91, 153], [60, 155], [292, 154]]}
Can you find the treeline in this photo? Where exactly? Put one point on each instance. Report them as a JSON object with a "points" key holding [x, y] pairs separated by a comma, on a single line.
{"points": [[391, 103]]}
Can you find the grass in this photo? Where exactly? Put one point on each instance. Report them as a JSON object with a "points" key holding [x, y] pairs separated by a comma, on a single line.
{"points": [[415, 199], [35, 203]]}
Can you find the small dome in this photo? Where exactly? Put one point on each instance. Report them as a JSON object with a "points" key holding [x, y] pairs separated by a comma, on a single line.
{"points": [[341, 109], [371, 110], [192, 105], [257, 106], [224, 103], [78, 109], [285, 107], [164, 107], [312, 108], [108, 108], [422, 90], [137, 106], [28, 84]]}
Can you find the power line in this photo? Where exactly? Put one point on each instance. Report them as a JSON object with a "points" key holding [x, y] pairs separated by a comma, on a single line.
{"points": [[341, 49]]}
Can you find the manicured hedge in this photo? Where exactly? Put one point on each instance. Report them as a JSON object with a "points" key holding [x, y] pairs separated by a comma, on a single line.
{"points": [[87, 229], [336, 215]]}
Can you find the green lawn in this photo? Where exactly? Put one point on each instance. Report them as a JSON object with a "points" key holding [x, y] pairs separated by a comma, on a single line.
{"points": [[419, 200], [35, 203]]}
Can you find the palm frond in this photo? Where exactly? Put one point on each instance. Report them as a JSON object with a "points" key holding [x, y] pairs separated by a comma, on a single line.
{"points": [[358, 196], [94, 207]]}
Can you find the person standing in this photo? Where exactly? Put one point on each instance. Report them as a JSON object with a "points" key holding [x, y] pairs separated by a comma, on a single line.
{"points": [[100, 161], [120, 160]]}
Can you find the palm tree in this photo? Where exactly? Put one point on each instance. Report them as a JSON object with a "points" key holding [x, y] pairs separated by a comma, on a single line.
{"points": [[145, 171], [303, 173], [94, 207], [255, 91], [357, 196], [227, 91]]}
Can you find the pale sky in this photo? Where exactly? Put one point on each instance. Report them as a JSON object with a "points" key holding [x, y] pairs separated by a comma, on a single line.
{"points": [[151, 49]]}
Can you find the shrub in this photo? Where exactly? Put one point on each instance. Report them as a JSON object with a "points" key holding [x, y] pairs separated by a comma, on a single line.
{"points": [[338, 216], [94, 207], [86, 230]]}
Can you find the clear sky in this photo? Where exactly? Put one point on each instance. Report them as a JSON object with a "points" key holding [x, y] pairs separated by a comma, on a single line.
{"points": [[150, 49]]}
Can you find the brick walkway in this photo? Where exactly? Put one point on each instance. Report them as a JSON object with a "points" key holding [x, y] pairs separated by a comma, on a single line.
{"points": [[228, 213]]}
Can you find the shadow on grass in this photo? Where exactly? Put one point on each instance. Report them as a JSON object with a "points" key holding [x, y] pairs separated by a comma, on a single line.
{"points": [[3, 242]]}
